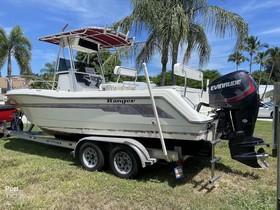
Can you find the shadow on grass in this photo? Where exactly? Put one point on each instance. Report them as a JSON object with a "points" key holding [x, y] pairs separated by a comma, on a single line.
{"points": [[164, 172], [39, 149], [193, 166], [227, 169], [159, 172]]}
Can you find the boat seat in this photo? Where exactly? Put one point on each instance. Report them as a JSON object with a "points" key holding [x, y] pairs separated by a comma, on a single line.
{"points": [[125, 85], [125, 71], [189, 73], [116, 86]]}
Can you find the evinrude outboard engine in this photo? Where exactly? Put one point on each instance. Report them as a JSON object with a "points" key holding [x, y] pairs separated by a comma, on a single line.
{"points": [[236, 97]]}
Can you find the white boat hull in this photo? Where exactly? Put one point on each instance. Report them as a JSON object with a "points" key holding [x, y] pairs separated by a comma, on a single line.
{"points": [[105, 113]]}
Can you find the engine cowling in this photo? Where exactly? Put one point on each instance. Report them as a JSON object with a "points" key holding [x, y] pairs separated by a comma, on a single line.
{"points": [[235, 96]]}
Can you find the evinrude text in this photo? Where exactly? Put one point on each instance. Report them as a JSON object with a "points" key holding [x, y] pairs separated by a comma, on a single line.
{"points": [[226, 84]]}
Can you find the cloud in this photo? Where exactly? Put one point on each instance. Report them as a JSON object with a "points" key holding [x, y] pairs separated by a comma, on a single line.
{"points": [[56, 19], [103, 13], [41, 57], [253, 5], [60, 5], [43, 54], [270, 31], [84, 12]]}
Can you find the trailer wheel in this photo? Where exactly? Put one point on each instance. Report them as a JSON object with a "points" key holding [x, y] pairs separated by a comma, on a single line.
{"points": [[124, 162], [91, 157]]}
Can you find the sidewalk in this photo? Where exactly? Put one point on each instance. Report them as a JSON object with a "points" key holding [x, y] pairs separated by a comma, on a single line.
{"points": [[265, 119]]}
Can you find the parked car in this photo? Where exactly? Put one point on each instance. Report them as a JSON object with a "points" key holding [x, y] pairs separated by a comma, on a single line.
{"points": [[266, 110], [7, 115]]}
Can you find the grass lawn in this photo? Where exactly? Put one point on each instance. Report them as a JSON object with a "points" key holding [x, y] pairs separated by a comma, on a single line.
{"points": [[37, 176]]}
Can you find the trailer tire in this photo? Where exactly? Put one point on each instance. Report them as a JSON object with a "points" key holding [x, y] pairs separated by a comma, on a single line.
{"points": [[91, 157], [124, 162]]}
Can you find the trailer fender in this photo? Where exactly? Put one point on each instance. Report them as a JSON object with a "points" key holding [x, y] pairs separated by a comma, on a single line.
{"points": [[140, 150]]}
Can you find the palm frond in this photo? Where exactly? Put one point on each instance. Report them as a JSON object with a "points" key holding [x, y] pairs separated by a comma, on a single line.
{"points": [[151, 46], [221, 21], [3, 47], [197, 40]]}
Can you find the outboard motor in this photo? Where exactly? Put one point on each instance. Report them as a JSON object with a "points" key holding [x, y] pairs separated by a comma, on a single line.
{"points": [[236, 97]]}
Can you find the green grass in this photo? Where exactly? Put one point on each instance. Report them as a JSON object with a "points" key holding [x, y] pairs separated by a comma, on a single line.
{"points": [[37, 176]]}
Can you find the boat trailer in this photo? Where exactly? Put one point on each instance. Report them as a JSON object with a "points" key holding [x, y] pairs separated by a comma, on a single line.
{"points": [[147, 156]]}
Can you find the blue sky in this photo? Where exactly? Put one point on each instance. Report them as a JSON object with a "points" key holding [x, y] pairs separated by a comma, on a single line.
{"points": [[44, 17]]}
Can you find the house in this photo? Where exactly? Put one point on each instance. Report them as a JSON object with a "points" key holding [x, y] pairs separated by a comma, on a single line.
{"points": [[17, 82]]}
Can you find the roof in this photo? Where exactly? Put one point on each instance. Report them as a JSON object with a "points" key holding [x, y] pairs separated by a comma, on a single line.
{"points": [[89, 39]]}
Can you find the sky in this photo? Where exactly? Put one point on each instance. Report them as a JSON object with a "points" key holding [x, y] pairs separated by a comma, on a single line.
{"points": [[44, 17]]}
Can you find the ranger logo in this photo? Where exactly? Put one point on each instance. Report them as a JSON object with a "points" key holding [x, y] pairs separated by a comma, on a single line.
{"points": [[122, 101]]}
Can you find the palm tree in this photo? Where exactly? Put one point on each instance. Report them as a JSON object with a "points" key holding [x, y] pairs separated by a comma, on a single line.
{"points": [[48, 71], [171, 24], [17, 45], [273, 58], [153, 16], [261, 58], [252, 45], [237, 58], [49, 68]]}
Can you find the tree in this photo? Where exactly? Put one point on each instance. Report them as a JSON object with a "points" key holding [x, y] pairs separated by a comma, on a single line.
{"points": [[252, 45], [274, 60], [210, 75], [44, 80], [17, 45], [237, 58], [49, 68], [152, 15], [171, 24], [273, 63], [260, 58], [262, 77]]}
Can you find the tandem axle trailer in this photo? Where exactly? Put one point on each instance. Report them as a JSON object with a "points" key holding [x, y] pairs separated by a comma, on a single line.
{"points": [[125, 156]]}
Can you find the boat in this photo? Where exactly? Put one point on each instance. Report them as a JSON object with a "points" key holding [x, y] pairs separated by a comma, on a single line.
{"points": [[83, 103]]}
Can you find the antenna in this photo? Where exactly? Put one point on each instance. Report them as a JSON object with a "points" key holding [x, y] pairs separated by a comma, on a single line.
{"points": [[105, 28], [64, 27], [118, 30]]}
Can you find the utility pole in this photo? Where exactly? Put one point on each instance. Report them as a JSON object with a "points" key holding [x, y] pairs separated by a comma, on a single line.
{"points": [[276, 133], [276, 138]]}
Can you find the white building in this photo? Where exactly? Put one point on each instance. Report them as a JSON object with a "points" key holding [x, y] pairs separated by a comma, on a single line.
{"points": [[268, 92]]}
